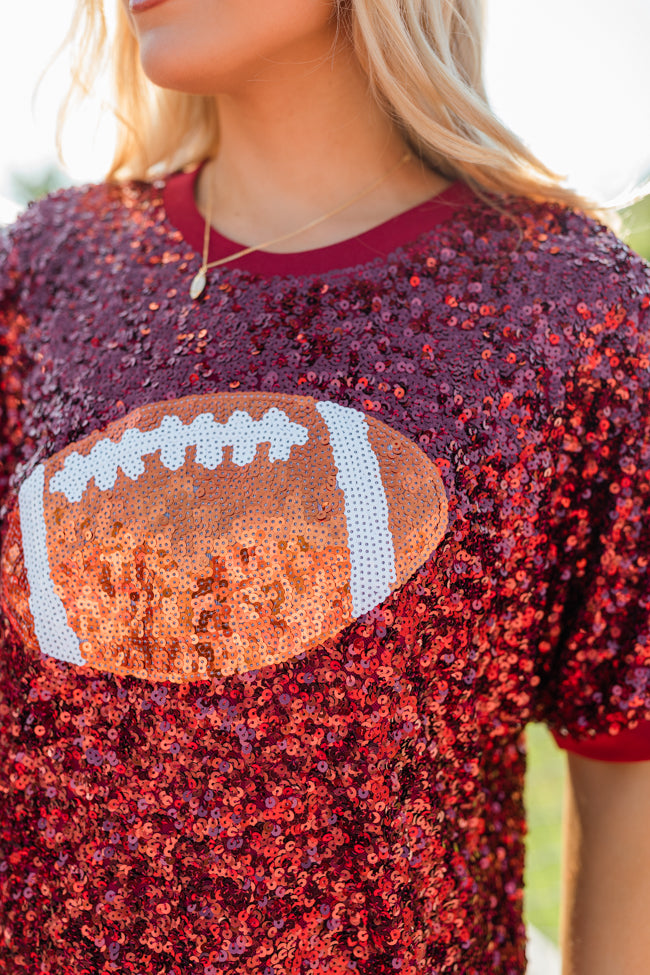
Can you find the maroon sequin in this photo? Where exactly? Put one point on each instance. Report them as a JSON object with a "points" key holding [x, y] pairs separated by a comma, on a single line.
{"points": [[357, 808]]}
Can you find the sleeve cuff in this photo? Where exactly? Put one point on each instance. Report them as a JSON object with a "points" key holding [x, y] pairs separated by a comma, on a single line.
{"points": [[629, 745]]}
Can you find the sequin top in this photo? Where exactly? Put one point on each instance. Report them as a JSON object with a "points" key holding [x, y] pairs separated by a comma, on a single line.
{"points": [[286, 571]]}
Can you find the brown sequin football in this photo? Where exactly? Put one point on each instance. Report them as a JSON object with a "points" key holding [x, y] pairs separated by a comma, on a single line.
{"points": [[217, 533]]}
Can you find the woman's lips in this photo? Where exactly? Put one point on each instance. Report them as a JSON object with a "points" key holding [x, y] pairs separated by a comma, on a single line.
{"points": [[137, 6]]}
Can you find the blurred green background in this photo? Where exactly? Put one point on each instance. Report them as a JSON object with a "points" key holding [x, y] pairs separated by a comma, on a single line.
{"points": [[636, 221], [543, 797], [546, 763]]}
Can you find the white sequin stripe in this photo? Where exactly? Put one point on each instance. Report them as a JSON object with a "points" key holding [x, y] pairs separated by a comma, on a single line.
{"points": [[54, 635], [370, 542]]}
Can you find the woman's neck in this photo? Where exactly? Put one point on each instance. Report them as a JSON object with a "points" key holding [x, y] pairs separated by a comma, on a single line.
{"points": [[295, 145]]}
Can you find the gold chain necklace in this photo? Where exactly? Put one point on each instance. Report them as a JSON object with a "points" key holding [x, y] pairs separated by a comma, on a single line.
{"points": [[199, 280]]}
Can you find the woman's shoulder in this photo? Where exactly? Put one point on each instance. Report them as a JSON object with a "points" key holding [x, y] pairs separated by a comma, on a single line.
{"points": [[73, 207], [553, 252], [65, 225]]}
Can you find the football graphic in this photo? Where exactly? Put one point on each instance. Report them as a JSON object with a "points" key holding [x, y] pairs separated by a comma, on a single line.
{"points": [[216, 533]]}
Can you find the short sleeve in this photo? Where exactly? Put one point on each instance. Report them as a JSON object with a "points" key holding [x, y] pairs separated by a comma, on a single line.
{"points": [[593, 663], [34, 255], [7, 353], [15, 282]]}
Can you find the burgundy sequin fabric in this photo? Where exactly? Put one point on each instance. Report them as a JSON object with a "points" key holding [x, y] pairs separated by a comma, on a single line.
{"points": [[353, 805]]}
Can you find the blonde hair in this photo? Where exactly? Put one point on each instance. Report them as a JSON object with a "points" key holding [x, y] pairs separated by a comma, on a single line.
{"points": [[423, 60]]}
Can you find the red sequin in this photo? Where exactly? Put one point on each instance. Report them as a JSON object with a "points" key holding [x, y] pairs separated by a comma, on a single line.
{"points": [[358, 807]]}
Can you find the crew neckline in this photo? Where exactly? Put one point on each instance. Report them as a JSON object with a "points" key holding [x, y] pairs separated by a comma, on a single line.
{"points": [[183, 214]]}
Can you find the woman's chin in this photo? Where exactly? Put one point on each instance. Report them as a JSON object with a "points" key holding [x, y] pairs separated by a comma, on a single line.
{"points": [[170, 69]]}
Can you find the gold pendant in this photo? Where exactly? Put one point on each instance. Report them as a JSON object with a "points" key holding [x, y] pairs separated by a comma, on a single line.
{"points": [[198, 284]]}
